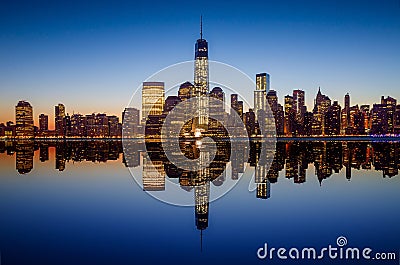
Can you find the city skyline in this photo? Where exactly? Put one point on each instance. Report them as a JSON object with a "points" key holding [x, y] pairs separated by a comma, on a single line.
{"points": [[308, 50]]}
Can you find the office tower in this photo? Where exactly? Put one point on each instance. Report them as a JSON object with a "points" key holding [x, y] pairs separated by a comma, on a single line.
{"points": [[78, 125], [185, 91], [170, 103], [298, 106], [152, 99], [347, 102], [240, 109], [366, 114], [101, 125], [277, 111], [24, 120], [43, 123], [383, 116], [113, 126], [332, 119], [201, 86], [236, 105], [280, 120], [345, 115], [67, 125], [321, 105], [272, 99], [234, 100], [308, 123], [260, 94], [356, 125], [59, 114], [390, 105], [379, 119], [250, 121], [396, 120], [130, 122], [216, 110], [289, 126]]}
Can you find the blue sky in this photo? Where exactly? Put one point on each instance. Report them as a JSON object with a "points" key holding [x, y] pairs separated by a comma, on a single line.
{"points": [[92, 56]]}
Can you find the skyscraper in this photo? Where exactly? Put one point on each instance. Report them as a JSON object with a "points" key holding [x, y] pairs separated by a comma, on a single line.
{"points": [[298, 105], [201, 85], [390, 105], [59, 114], [321, 105], [43, 123], [289, 116], [216, 108], [260, 94], [332, 119], [24, 120], [185, 91], [345, 117], [272, 99], [130, 122], [152, 99]]}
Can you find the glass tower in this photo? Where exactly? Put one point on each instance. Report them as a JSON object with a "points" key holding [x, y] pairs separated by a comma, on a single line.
{"points": [[152, 99], [201, 86]]}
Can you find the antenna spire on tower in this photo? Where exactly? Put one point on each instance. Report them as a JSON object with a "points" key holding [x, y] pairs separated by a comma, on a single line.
{"points": [[201, 27]]}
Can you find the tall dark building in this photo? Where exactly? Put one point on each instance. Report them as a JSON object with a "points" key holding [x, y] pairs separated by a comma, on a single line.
{"points": [[217, 107], [321, 105], [250, 122], [289, 126], [78, 125], [280, 120], [114, 126], [43, 123], [185, 91], [366, 114], [59, 114], [130, 122], [397, 120], [170, 103], [379, 124], [217, 111], [345, 115], [390, 105], [272, 99], [24, 120], [356, 125], [298, 105], [332, 119]]}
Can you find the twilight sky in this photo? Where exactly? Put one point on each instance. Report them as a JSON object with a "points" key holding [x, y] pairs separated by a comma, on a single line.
{"points": [[93, 56]]}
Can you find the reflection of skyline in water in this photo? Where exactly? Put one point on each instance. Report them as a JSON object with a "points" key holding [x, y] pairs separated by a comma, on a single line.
{"points": [[328, 157], [292, 158]]}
